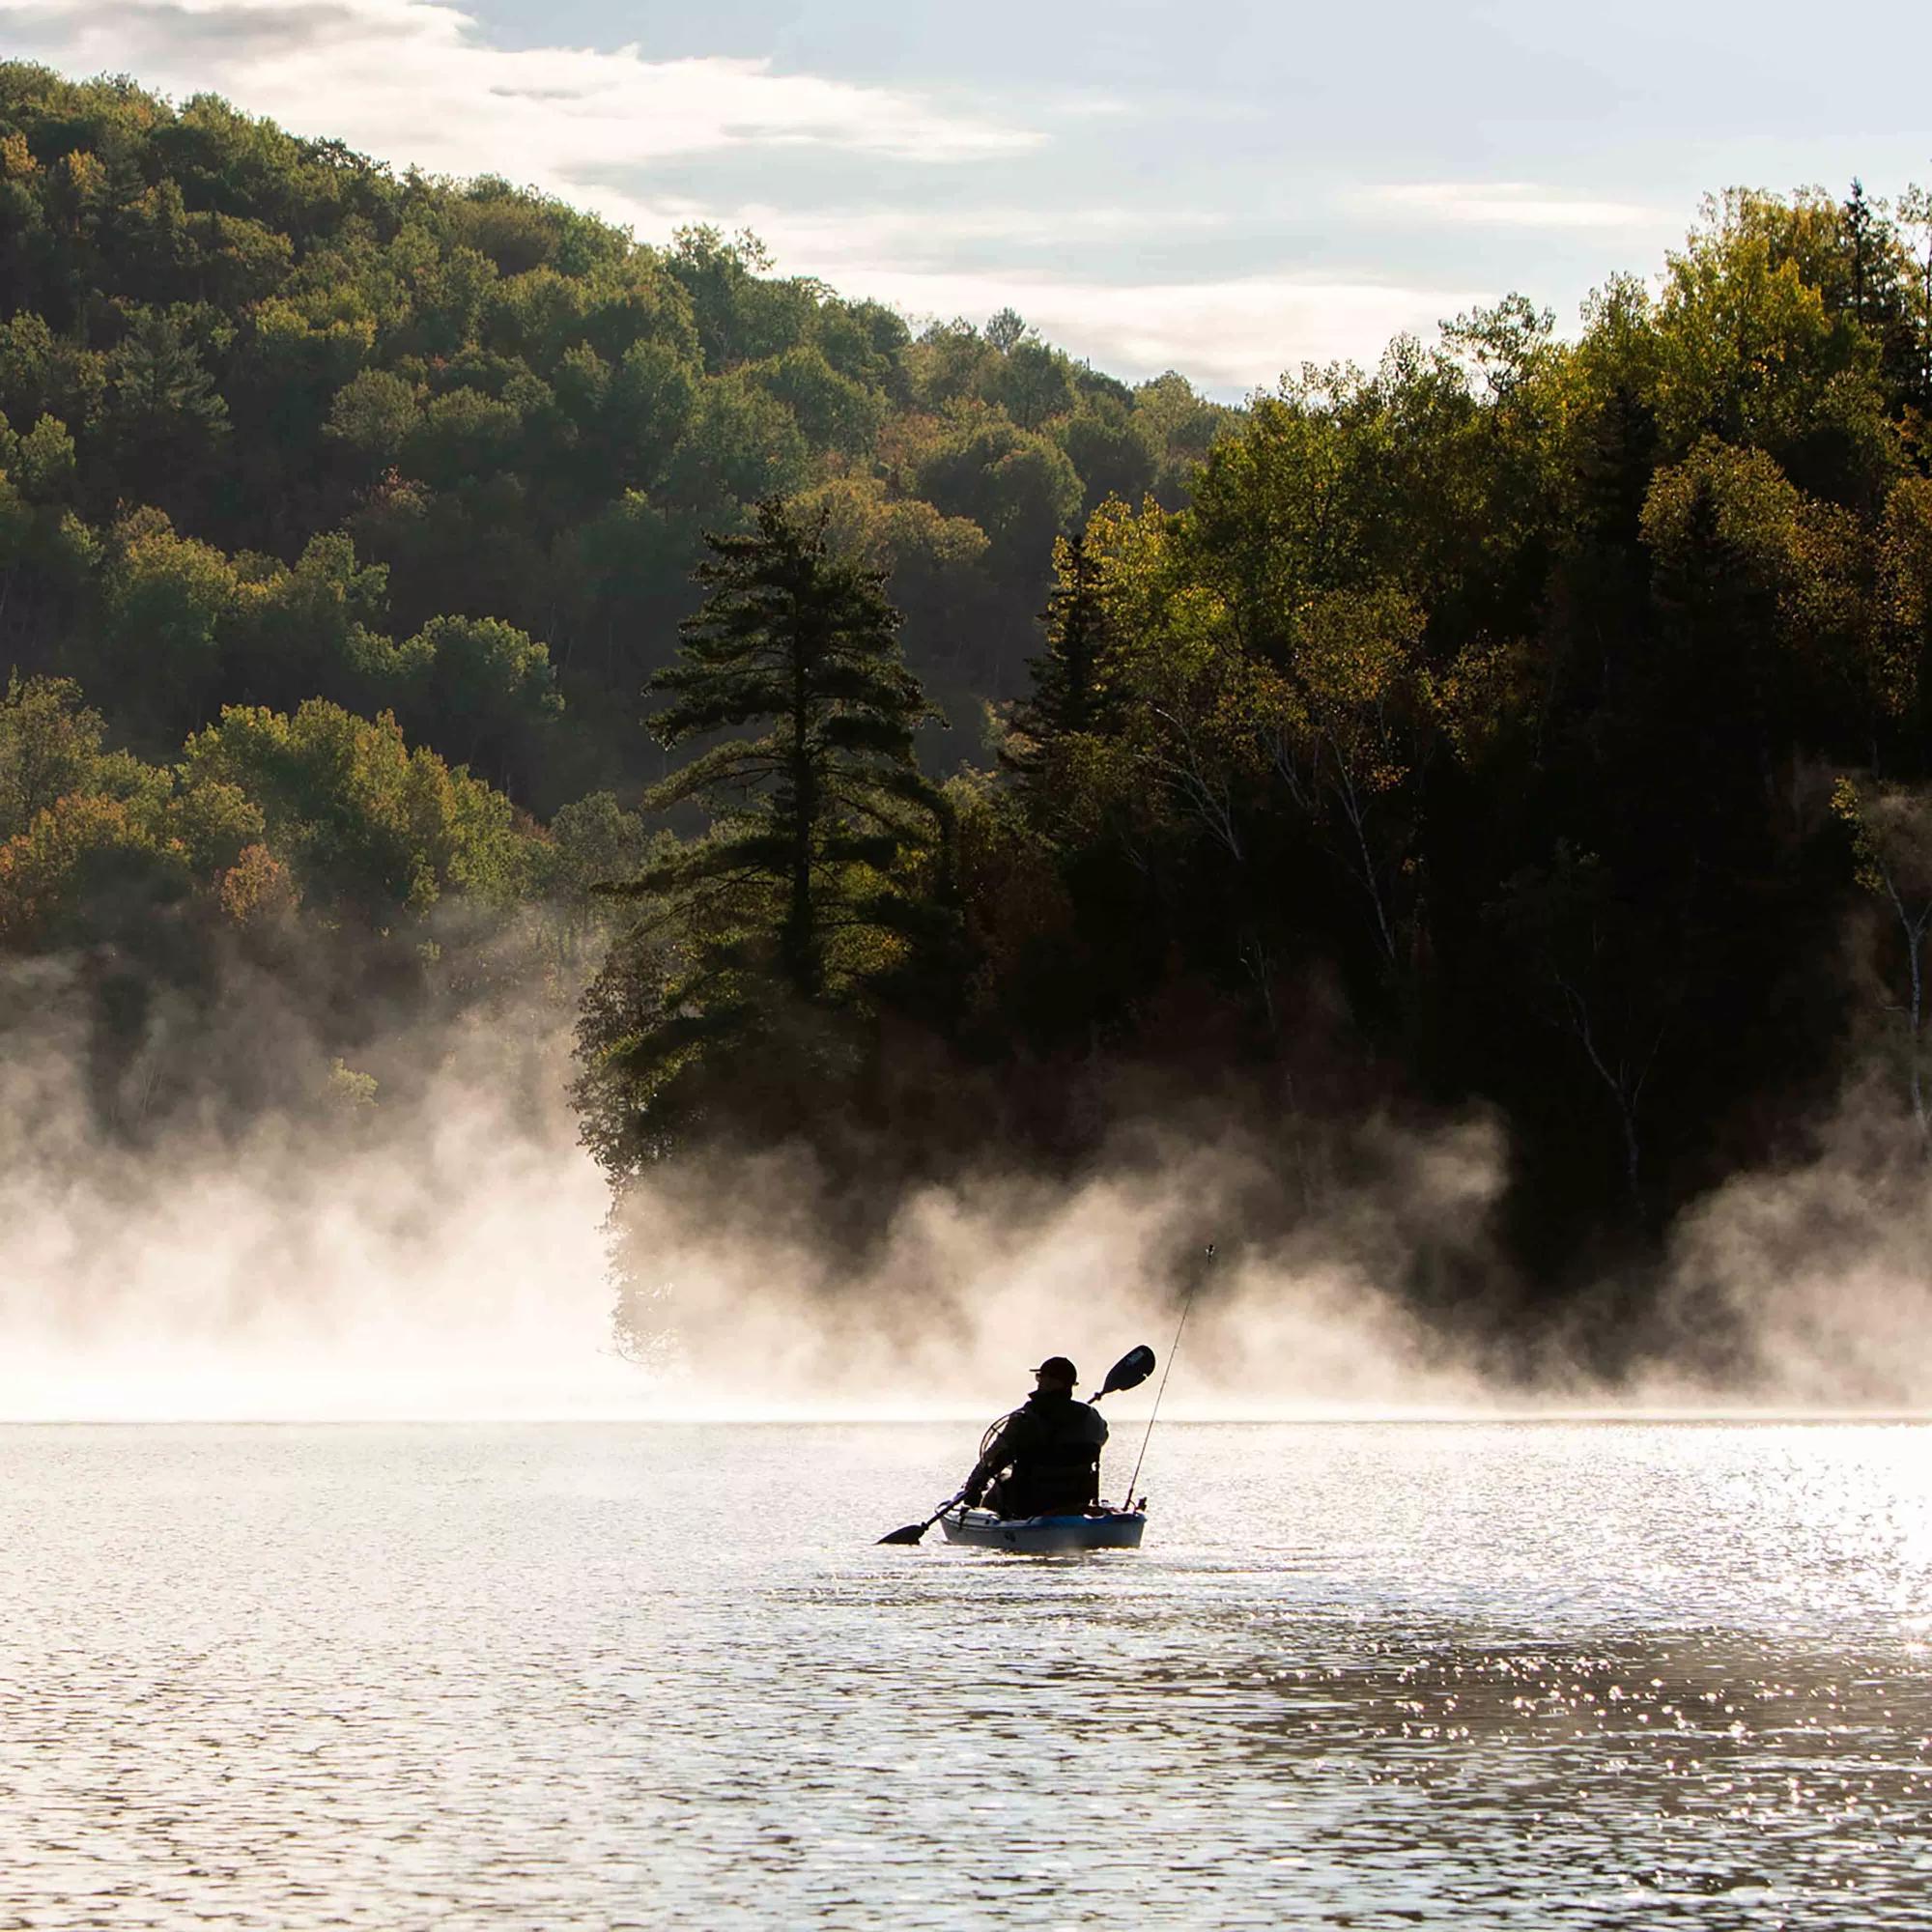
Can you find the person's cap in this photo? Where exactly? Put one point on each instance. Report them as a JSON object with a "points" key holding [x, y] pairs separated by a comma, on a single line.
{"points": [[1060, 1369]]}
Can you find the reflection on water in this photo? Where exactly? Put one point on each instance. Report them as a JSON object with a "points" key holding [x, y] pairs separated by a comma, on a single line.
{"points": [[607, 1675]]}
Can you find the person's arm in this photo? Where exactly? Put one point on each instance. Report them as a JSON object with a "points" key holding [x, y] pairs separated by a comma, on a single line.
{"points": [[1001, 1450]]}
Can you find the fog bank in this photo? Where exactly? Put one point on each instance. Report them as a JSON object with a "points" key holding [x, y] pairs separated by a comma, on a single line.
{"points": [[445, 1254]]}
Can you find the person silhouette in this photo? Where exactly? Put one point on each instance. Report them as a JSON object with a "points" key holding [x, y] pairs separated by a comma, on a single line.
{"points": [[1045, 1457]]}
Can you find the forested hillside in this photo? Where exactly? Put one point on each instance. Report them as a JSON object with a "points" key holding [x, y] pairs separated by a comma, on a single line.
{"points": [[284, 425], [1531, 727]]}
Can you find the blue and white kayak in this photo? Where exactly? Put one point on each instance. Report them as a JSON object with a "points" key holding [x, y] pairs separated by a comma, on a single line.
{"points": [[1046, 1535]]}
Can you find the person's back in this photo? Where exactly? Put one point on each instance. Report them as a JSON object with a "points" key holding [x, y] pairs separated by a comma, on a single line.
{"points": [[1049, 1448]]}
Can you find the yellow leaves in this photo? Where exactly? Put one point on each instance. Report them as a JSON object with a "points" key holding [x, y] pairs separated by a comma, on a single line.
{"points": [[1172, 639], [42, 458], [84, 173], [1738, 496], [1351, 684], [1336, 682], [212, 823], [258, 889], [357, 812], [1846, 807], [1487, 689], [1131, 551], [348, 1091], [71, 846], [1749, 347], [893, 534], [1846, 602], [17, 158], [167, 592], [282, 323], [17, 522], [1891, 835], [1354, 647]]}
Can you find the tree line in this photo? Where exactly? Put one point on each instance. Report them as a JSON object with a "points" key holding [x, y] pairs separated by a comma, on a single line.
{"points": [[417, 588]]}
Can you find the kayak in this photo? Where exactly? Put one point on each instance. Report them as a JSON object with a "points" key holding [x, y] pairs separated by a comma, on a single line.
{"points": [[1040, 1535]]}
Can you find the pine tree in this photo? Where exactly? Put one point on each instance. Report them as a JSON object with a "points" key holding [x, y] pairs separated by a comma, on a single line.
{"points": [[1069, 694], [795, 908]]}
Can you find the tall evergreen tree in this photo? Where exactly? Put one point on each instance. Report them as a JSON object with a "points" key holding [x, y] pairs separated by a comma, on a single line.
{"points": [[1069, 696], [796, 906]]}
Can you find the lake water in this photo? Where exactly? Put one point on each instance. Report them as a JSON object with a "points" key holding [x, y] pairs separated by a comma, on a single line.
{"points": [[613, 1675]]}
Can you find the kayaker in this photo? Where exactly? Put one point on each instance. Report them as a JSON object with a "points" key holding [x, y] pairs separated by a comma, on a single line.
{"points": [[1045, 1457]]}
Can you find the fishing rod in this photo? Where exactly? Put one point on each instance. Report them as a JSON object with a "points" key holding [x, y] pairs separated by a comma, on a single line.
{"points": [[1187, 1302]]}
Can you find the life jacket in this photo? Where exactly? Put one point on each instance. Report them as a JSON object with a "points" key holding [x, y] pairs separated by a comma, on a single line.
{"points": [[1054, 1446]]}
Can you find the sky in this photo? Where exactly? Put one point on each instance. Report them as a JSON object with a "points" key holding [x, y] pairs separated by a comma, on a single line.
{"points": [[1226, 188]]}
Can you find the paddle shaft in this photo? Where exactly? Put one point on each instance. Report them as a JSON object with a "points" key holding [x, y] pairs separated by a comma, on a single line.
{"points": [[1187, 1302]]}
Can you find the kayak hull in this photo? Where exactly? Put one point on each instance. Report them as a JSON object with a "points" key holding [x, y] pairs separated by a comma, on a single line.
{"points": [[1044, 1535]]}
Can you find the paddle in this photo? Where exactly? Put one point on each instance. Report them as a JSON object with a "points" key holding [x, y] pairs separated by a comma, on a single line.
{"points": [[1129, 1372], [912, 1531]]}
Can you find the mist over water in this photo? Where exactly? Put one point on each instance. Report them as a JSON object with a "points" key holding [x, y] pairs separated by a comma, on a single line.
{"points": [[445, 1259], [444, 1253]]}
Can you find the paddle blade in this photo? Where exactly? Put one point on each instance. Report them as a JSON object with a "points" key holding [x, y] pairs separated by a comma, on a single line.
{"points": [[1131, 1370], [911, 1533]]}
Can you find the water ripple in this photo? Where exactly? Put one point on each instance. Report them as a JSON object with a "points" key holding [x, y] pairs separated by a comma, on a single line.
{"points": [[584, 1677]]}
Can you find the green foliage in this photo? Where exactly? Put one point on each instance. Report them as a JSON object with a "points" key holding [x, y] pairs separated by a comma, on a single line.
{"points": [[1181, 427], [273, 340], [832, 410], [1018, 487], [743, 444], [481, 686], [824, 802], [375, 414], [164, 418], [41, 461], [1752, 350], [49, 746], [1111, 452], [1491, 686], [361, 818], [1074, 691], [597, 842], [653, 392], [293, 634], [87, 869], [164, 598], [1035, 385]]}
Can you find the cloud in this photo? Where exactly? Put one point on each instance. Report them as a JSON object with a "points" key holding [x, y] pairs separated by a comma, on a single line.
{"points": [[389, 75], [1228, 335], [1509, 205]]}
